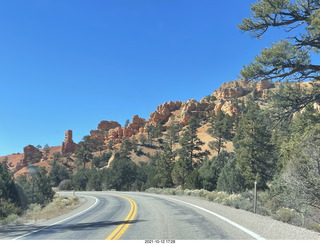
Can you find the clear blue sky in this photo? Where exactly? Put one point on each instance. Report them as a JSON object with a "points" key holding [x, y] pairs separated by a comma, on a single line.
{"points": [[68, 64]]}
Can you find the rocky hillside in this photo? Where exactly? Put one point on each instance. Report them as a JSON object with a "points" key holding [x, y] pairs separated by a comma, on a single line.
{"points": [[222, 99]]}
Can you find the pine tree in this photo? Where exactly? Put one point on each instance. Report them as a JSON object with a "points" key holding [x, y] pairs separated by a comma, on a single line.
{"points": [[182, 169], [143, 139], [220, 129], [173, 132], [124, 173], [189, 154], [210, 170], [127, 123], [37, 188], [291, 58], [9, 196], [190, 142], [164, 166], [126, 148], [230, 179], [57, 174], [288, 58], [84, 152], [253, 148], [84, 156], [46, 150]]}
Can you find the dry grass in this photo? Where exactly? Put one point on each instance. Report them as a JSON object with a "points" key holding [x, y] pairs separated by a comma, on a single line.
{"points": [[59, 205], [233, 200]]}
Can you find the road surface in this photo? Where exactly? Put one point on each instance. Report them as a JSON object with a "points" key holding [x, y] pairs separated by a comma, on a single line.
{"points": [[142, 216]]}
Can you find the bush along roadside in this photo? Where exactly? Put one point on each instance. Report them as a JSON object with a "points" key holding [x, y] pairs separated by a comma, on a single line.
{"points": [[243, 201], [59, 205]]}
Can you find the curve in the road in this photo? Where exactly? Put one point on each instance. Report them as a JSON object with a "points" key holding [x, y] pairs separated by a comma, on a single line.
{"points": [[121, 229], [61, 221], [249, 232]]}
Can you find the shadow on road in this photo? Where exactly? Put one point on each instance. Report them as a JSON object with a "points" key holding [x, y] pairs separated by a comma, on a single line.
{"points": [[13, 231]]}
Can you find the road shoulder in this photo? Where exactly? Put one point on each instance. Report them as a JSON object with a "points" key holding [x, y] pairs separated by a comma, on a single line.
{"points": [[264, 226], [12, 231]]}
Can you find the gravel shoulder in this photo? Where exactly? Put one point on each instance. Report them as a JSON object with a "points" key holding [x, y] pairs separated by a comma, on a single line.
{"points": [[9, 232], [264, 226]]}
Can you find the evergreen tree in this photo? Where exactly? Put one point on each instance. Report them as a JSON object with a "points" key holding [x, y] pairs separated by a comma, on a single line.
{"points": [[110, 144], [193, 180], [83, 155], [173, 132], [134, 144], [182, 169], [102, 160], [230, 179], [126, 148], [57, 157], [46, 150], [220, 129], [57, 174], [95, 181], [123, 174], [143, 139], [303, 123], [157, 131], [149, 130], [288, 58], [189, 155], [210, 170], [127, 123], [302, 172], [164, 166], [84, 152], [9, 196], [190, 143], [37, 188], [80, 179], [253, 148]]}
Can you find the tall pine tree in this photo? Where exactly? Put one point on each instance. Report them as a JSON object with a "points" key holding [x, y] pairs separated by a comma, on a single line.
{"points": [[220, 129], [253, 147], [189, 154]]}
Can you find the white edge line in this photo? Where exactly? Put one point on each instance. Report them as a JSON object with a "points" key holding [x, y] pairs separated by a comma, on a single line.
{"points": [[19, 237], [249, 232]]}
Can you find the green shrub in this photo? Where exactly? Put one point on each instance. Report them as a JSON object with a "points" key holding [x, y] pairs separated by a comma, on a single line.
{"points": [[58, 206], [288, 216], [7, 208], [315, 227], [9, 219], [243, 203]]}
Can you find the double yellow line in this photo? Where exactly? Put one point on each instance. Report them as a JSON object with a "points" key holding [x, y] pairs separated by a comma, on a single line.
{"points": [[121, 229]]}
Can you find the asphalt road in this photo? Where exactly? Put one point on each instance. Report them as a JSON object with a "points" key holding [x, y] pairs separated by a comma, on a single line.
{"points": [[140, 216]]}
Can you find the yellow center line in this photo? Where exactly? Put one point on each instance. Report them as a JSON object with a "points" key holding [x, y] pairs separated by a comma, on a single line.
{"points": [[121, 229]]}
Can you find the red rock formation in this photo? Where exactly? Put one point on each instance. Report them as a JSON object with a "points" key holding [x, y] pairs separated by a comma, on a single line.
{"points": [[68, 146], [229, 93], [111, 130], [164, 112], [192, 108], [136, 124], [31, 155], [107, 125], [227, 107]]}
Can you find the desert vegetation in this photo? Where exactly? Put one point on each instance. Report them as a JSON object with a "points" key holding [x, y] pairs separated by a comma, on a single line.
{"points": [[275, 136]]}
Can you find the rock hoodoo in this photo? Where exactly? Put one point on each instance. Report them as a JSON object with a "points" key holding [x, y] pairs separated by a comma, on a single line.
{"points": [[111, 130], [31, 155], [68, 146], [164, 112], [107, 125]]}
